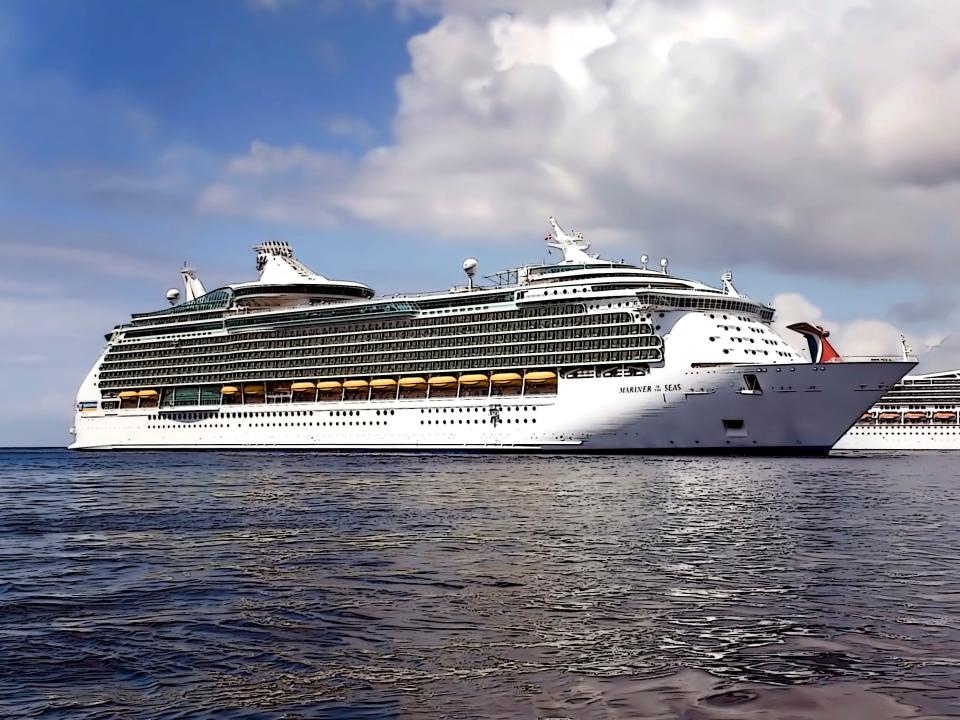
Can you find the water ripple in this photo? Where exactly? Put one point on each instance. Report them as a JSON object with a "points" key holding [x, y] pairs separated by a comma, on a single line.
{"points": [[175, 585]]}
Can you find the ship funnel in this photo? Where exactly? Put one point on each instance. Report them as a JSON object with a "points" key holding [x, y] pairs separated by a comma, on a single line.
{"points": [[191, 283], [821, 351]]}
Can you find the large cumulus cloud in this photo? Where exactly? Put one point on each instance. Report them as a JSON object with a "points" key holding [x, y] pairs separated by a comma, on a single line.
{"points": [[814, 136]]}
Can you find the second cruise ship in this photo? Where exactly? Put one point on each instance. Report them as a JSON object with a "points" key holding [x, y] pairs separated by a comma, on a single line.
{"points": [[921, 412], [586, 355]]}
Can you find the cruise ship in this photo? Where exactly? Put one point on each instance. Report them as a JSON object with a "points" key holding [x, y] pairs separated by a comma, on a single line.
{"points": [[585, 355], [922, 412]]}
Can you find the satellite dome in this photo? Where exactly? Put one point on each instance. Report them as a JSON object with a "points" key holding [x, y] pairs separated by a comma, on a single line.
{"points": [[470, 266], [173, 295]]}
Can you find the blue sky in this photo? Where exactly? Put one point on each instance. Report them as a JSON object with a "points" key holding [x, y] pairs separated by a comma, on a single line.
{"points": [[387, 140]]}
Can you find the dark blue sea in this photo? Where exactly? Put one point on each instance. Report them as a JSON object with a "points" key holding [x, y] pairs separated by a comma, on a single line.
{"points": [[273, 585]]}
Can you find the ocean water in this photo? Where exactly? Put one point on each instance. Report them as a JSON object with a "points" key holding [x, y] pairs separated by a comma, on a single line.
{"points": [[275, 585]]}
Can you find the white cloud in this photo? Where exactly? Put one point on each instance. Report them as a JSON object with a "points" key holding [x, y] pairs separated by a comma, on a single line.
{"points": [[286, 185], [81, 259], [943, 355], [143, 123], [25, 320], [269, 4], [329, 57], [811, 136], [483, 8], [49, 344], [350, 128]]}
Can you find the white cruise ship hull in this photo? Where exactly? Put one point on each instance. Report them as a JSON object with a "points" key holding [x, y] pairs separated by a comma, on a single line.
{"points": [[901, 437], [798, 409]]}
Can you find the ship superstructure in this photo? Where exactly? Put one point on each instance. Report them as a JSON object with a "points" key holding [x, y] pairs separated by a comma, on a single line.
{"points": [[921, 412], [583, 355]]}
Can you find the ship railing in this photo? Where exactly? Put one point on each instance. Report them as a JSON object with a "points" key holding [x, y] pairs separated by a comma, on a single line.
{"points": [[877, 358]]}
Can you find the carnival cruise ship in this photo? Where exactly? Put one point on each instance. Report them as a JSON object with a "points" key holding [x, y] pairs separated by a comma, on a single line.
{"points": [[582, 355], [922, 412]]}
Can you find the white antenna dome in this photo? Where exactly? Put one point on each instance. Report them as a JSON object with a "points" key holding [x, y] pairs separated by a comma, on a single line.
{"points": [[644, 259], [173, 295], [470, 268]]}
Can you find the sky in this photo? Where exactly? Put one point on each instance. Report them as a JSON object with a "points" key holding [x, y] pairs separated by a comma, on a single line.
{"points": [[810, 147]]}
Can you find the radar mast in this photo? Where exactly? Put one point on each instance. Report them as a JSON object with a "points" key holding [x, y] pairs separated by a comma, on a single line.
{"points": [[572, 245]]}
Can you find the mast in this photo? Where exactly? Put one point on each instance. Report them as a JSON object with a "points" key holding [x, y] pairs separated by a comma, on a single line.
{"points": [[573, 246]]}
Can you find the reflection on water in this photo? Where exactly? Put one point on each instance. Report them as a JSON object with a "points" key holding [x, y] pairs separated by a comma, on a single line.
{"points": [[301, 585]]}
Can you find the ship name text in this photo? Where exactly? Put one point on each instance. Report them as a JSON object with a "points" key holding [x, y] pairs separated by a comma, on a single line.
{"points": [[650, 388]]}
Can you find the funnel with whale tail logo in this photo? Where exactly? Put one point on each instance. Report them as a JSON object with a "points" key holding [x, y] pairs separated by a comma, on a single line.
{"points": [[821, 351]]}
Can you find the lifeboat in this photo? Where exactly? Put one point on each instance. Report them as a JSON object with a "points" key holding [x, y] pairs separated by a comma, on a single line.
{"points": [[229, 390], [303, 387], [474, 380], [442, 381], [889, 416], [507, 378], [413, 383], [944, 416], [128, 395], [356, 385], [253, 389], [539, 377], [329, 385], [148, 394], [915, 416], [383, 383]]}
